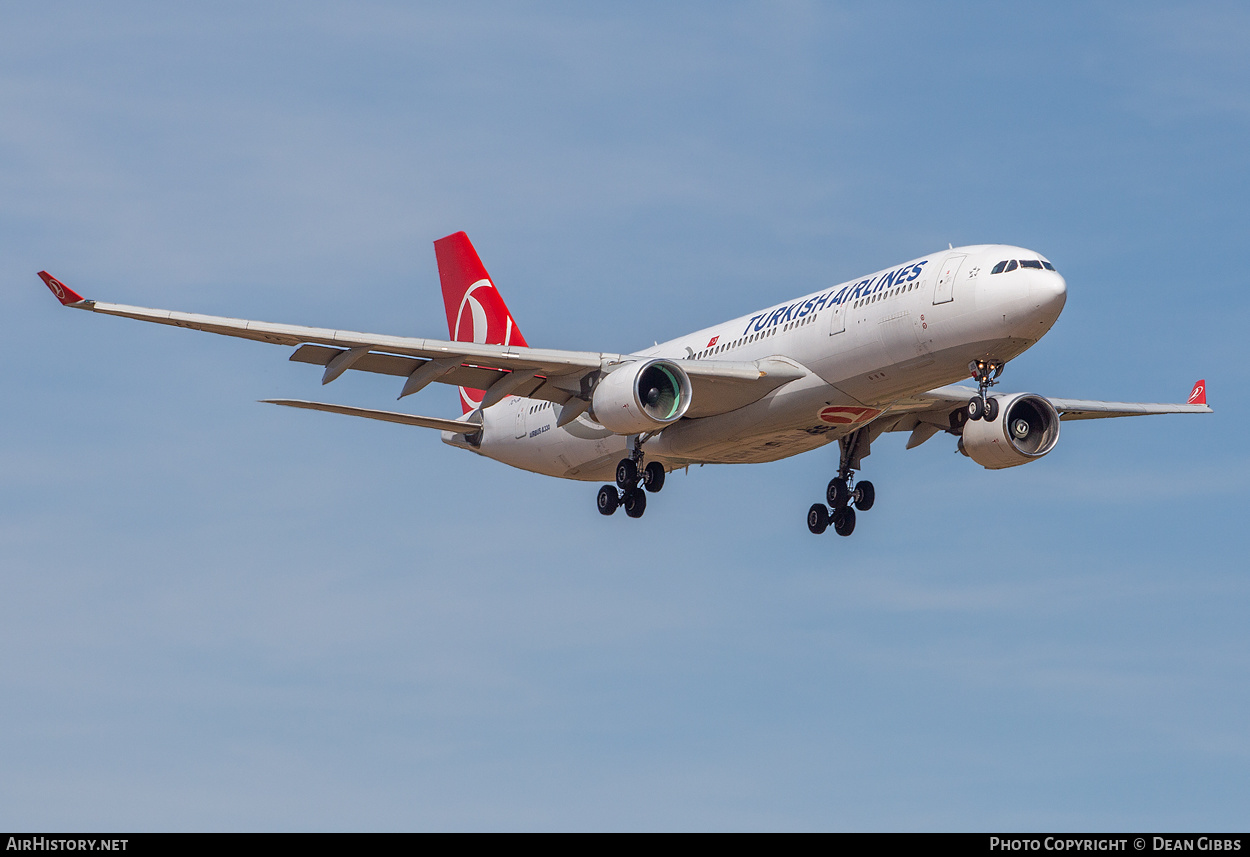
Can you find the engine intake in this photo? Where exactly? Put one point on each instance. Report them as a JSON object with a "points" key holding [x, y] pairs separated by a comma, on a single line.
{"points": [[641, 397], [1025, 429]]}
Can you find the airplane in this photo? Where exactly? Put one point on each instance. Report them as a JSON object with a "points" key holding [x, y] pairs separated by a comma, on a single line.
{"points": [[848, 362]]}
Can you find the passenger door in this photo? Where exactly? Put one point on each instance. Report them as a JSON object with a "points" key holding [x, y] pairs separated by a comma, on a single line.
{"points": [[944, 292], [837, 319]]}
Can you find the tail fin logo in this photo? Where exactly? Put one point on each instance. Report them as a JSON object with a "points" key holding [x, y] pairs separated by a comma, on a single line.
{"points": [[1199, 395], [480, 317], [480, 309]]}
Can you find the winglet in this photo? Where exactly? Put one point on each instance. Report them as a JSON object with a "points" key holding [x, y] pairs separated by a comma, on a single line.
{"points": [[63, 293], [1199, 394]]}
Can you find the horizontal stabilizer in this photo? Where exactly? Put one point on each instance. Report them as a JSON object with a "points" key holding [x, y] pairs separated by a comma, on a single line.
{"points": [[436, 423]]}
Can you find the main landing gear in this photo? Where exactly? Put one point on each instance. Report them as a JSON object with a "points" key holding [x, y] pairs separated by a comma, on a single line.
{"points": [[981, 406], [633, 481], [843, 495]]}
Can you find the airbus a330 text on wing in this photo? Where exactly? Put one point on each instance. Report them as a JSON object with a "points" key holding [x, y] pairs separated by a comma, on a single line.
{"points": [[845, 363]]}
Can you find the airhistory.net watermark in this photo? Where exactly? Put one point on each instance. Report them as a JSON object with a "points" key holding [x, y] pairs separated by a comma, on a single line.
{"points": [[48, 843]]}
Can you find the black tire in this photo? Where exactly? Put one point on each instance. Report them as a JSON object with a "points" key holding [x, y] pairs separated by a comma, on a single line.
{"points": [[991, 409], [818, 518], [865, 495], [626, 474], [844, 521], [607, 500], [635, 503], [976, 409], [837, 494], [653, 477]]}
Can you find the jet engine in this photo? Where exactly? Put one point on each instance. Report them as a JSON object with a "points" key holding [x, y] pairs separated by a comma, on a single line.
{"points": [[1025, 428], [641, 397]]}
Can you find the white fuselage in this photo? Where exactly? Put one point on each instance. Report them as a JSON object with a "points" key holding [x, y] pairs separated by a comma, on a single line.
{"points": [[864, 344]]}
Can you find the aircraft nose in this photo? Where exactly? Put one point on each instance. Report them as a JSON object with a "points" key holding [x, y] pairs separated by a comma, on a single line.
{"points": [[1048, 292], [1051, 292]]}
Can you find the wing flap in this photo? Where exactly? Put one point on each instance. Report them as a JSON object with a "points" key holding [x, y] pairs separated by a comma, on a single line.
{"points": [[381, 364], [463, 375]]}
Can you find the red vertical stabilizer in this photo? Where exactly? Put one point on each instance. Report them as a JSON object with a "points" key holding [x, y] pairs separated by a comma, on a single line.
{"points": [[475, 310], [1199, 394]]}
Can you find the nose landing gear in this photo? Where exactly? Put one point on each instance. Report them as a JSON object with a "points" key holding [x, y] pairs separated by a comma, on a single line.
{"points": [[843, 495], [985, 373], [634, 481]]}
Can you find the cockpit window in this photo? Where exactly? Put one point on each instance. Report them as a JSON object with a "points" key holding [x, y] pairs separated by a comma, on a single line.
{"points": [[1012, 264]]}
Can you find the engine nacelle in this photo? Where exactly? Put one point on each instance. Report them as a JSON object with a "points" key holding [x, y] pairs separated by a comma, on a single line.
{"points": [[1025, 429], [641, 397]]}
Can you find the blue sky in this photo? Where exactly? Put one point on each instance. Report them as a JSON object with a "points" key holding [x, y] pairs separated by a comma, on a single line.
{"points": [[222, 615]]}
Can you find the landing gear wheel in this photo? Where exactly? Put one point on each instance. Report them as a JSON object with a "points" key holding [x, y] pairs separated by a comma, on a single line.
{"points": [[607, 500], [818, 518], [653, 477], [626, 474], [837, 494], [864, 496], [986, 373], [844, 521], [635, 503]]}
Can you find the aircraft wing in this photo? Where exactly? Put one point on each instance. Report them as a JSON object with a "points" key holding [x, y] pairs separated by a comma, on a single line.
{"points": [[937, 410], [539, 373], [1072, 409]]}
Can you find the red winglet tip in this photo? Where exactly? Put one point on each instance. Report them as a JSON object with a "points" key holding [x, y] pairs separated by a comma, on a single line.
{"points": [[1199, 394], [63, 293]]}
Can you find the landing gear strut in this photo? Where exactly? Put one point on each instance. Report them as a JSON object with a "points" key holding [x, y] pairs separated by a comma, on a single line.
{"points": [[843, 494], [633, 481], [985, 373]]}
